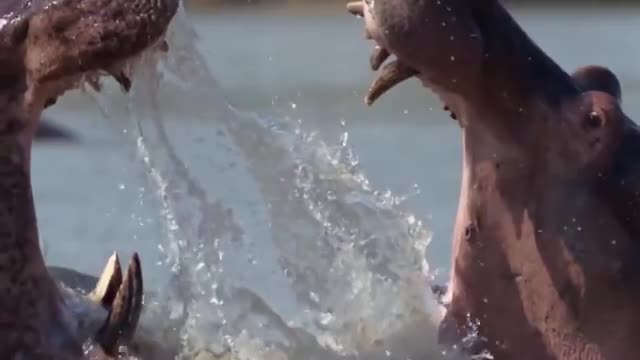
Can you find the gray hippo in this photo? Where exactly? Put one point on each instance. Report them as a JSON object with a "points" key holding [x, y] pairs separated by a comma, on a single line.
{"points": [[50, 131], [546, 247], [46, 48]]}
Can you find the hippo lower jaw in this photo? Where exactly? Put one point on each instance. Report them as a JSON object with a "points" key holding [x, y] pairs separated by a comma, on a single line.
{"points": [[107, 315], [46, 48], [122, 297], [544, 253]]}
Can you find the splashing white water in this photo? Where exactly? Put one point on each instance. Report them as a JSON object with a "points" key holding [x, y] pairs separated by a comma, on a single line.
{"points": [[289, 252]]}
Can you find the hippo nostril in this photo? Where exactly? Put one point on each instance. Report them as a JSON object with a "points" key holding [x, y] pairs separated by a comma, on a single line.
{"points": [[592, 121], [470, 232]]}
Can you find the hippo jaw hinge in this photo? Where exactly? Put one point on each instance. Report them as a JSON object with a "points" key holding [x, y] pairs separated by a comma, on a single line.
{"points": [[123, 298]]}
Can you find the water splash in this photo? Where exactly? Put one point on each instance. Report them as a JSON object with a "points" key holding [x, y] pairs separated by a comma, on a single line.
{"points": [[288, 252]]}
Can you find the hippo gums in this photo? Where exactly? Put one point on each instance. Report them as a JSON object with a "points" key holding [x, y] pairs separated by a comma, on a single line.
{"points": [[546, 247], [46, 48]]}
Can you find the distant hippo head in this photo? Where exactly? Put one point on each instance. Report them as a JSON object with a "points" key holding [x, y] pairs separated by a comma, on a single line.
{"points": [[46, 48], [546, 250]]}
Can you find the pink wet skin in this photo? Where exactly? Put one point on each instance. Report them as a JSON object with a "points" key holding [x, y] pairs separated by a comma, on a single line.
{"points": [[546, 244]]}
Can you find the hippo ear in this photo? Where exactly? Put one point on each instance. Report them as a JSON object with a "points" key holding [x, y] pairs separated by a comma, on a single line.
{"points": [[125, 310], [108, 284], [598, 78]]}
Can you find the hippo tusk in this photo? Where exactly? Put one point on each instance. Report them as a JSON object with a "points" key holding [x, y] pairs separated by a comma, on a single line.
{"points": [[122, 78], [124, 313], [392, 74], [93, 80], [108, 284], [136, 304], [378, 56]]}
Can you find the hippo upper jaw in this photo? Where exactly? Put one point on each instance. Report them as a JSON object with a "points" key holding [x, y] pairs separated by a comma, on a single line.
{"points": [[68, 41], [501, 87], [46, 48]]}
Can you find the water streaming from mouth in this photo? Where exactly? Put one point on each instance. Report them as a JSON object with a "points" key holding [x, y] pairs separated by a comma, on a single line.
{"points": [[311, 262]]}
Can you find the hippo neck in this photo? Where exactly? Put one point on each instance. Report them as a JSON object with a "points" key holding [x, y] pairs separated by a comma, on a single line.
{"points": [[517, 71], [18, 225], [25, 283]]}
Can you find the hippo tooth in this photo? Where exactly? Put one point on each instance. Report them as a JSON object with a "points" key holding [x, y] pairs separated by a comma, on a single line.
{"points": [[108, 283], [122, 79], [356, 8], [163, 46], [137, 300], [125, 312], [94, 82], [392, 74], [378, 56]]}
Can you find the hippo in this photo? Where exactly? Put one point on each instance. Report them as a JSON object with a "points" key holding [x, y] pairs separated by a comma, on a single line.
{"points": [[145, 340], [50, 131], [46, 48], [546, 243]]}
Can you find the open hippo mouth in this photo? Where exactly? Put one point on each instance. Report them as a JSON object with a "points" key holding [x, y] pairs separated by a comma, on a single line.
{"points": [[46, 48], [546, 247]]}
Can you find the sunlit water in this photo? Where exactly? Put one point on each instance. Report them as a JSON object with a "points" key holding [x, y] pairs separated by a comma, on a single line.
{"points": [[260, 234]]}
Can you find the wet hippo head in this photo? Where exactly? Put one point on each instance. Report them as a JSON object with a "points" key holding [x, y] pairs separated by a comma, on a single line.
{"points": [[46, 48], [546, 250]]}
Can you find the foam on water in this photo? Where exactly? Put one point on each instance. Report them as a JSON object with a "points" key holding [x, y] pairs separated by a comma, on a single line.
{"points": [[289, 253]]}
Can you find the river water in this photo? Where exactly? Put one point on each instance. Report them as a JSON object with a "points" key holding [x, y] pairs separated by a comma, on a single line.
{"points": [[291, 220]]}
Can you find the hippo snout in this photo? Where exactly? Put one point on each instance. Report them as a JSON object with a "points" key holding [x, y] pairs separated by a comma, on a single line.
{"points": [[430, 39], [74, 36]]}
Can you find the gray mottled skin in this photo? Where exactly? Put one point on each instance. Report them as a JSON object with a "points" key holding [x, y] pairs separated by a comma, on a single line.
{"points": [[149, 342], [546, 245], [45, 47]]}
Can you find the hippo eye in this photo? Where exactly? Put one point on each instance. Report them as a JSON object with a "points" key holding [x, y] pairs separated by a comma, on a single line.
{"points": [[592, 121]]}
